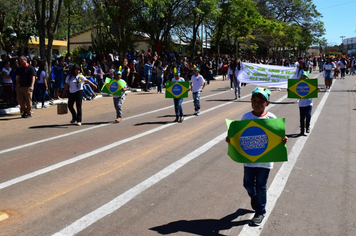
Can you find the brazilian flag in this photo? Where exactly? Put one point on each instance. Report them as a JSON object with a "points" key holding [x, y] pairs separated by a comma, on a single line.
{"points": [[257, 140], [177, 89], [113, 86], [302, 88]]}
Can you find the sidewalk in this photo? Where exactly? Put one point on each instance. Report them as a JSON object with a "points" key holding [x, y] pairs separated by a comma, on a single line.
{"points": [[16, 109]]}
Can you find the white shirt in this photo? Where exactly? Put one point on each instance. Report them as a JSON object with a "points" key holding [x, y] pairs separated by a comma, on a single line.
{"points": [[237, 72], [178, 80], [251, 116], [6, 80], [42, 76], [75, 83], [197, 82], [341, 65]]}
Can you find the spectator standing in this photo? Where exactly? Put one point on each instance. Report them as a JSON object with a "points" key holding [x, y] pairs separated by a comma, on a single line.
{"points": [[25, 80], [7, 82], [58, 72], [147, 73], [42, 82], [160, 75]]}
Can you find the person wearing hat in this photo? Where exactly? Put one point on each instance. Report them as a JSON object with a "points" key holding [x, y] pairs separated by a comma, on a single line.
{"points": [[256, 174], [197, 85], [119, 100], [178, 101]]}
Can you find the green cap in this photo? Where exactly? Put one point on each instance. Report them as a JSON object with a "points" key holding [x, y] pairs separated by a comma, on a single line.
{"points": [[306, 73], [265, 92]]}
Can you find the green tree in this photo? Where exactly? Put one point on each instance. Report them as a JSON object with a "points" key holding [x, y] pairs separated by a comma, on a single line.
{"points": [[16, 24], [47, 19], [200, 12], [159, 19]]}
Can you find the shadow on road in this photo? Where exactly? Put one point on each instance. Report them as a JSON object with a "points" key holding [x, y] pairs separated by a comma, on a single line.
{"points": [[206, 227], [66, 125], [154, 123]]}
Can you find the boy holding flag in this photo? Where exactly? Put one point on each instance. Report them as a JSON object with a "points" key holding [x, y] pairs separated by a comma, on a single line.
{"points": [[119, 99], [178, 101], [256, 174]]}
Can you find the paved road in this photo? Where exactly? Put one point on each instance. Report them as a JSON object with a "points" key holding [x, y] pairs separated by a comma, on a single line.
{"points": [[149, 176]]}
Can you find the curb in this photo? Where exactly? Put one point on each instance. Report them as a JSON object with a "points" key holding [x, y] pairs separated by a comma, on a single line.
{"points": [[12, 110]]}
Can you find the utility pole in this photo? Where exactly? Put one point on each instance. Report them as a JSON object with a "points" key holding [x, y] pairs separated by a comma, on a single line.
{"points": [[342, 44], [68, 33]]}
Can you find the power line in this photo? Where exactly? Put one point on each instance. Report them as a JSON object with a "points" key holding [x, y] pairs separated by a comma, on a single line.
{"points": [[341, 4]]}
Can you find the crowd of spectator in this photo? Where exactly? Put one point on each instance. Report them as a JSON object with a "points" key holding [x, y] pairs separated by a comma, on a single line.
{"points": [[139, 70]]}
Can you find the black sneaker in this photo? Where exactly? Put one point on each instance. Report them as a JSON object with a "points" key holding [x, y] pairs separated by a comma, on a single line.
{"points": [[24, 115], [308, 130], [257, 219], [176, 120], [27, 116]]}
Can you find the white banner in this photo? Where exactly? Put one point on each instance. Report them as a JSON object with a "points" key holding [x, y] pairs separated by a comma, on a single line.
{"points": [[267, 75]]}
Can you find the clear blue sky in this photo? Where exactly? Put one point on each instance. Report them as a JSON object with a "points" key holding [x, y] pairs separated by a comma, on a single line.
{"points": [[339, 19]]}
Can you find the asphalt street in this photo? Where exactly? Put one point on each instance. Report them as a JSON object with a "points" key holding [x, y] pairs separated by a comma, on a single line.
{"points": [[150, 176]]}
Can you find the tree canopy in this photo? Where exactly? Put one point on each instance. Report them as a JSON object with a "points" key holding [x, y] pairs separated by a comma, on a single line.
{"points": [[256, 26]]}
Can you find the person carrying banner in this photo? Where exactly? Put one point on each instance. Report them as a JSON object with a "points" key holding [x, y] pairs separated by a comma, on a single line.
{"points": [[75, 82], [256, 174], [119, 99], [197, 85], [237, 83], [178, 101], [230, 73], [328, 68]]}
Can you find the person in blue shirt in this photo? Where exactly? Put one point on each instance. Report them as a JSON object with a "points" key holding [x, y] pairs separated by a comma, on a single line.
{"points": [[147, 73]]}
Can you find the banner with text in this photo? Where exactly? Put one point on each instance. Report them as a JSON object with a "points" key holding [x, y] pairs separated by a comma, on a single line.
{"points": [[257, 140], [267, 75], [303, 88]]}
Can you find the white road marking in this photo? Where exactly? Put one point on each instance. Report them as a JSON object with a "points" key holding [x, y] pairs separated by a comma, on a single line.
{"points": [[97, 151], [94, 127], [124, 198]]}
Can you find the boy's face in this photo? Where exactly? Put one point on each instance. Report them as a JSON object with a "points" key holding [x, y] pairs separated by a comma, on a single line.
{"points": [[196, 72], [258, 105]]}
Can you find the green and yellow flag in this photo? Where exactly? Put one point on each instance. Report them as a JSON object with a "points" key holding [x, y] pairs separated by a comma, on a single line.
{"points": [[302, 88], [177, 89], [113, 86], [257, 140]]}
